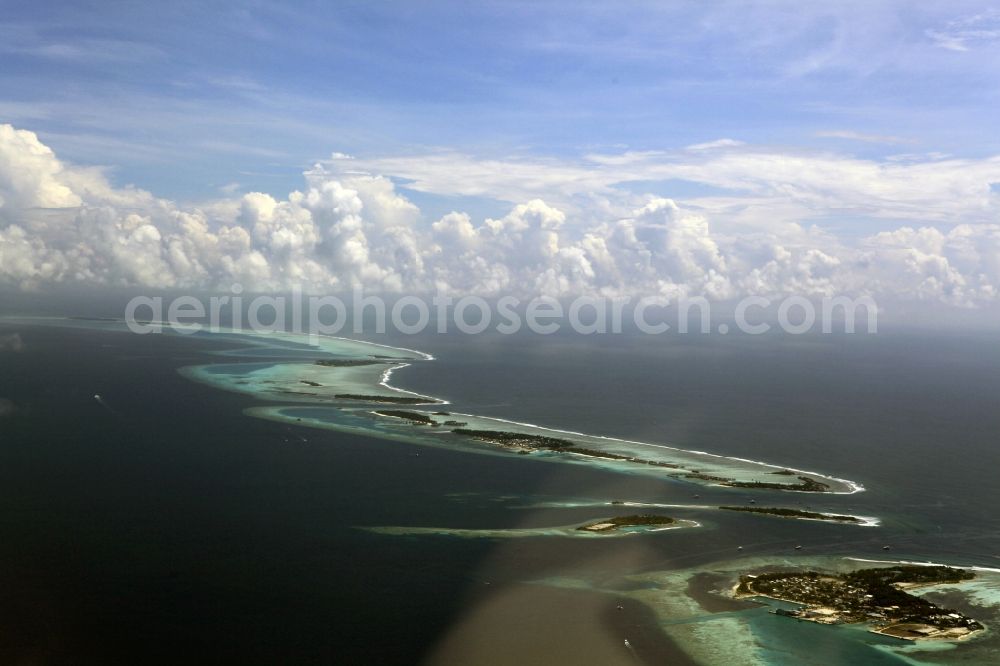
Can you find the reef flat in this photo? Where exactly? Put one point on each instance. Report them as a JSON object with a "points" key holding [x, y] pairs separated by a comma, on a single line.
{"points": [[602, 528]]}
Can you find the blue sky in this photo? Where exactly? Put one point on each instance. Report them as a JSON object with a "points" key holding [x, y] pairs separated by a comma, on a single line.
{"points": [[716, 148], [184, 98]]}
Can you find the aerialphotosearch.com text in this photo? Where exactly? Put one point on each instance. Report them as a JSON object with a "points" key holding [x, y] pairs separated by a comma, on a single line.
{"points": [[359, 314]]}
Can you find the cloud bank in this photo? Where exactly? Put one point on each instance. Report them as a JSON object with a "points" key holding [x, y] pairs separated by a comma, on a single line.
{"points": [[572, 228]]}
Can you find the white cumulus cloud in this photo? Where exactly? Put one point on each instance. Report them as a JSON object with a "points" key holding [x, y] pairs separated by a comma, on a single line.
{"points": [[63, 224]]}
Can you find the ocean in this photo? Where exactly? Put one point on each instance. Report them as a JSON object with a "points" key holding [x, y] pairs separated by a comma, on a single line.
{"points": [[162, 524]]}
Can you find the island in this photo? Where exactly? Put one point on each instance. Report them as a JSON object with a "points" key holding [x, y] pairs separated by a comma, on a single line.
{"points": [[607, 528], [806, 484], [394, 399], [347, 362], [612, 524], [875, 596], [415, 417], [794, 513], [526, 443]]}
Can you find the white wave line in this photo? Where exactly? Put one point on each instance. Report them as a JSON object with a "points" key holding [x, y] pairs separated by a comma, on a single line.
{"points": [[852, 485], [425, 355], [387, 374], [924, 564]]}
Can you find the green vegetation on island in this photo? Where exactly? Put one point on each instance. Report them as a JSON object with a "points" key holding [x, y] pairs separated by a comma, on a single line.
{"points": [[393, 399], [793, 513], [527, 443], [515, 439], [415, 417], [876, 596], [644, 520], [347, 362]]}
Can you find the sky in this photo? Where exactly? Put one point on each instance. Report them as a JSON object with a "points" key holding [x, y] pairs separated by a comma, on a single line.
{"points": [[679, 148]]}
